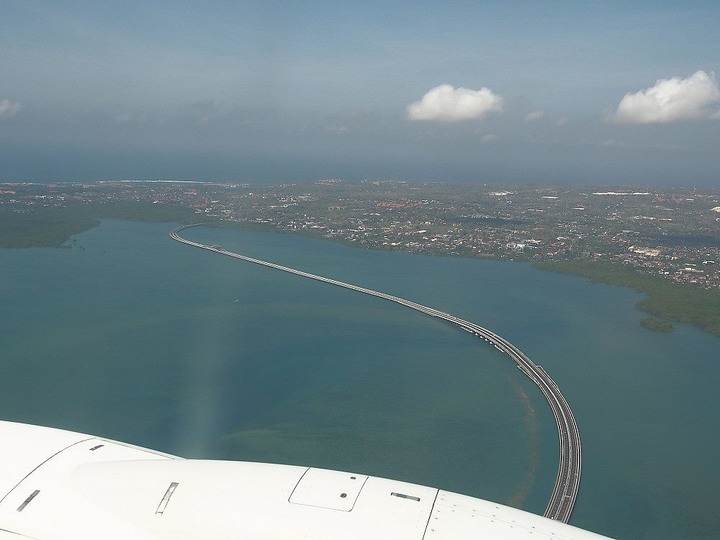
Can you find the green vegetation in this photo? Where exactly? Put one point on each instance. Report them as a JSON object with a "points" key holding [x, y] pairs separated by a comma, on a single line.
{"points": [[657, 325], [146, 211], [46, 227], [665, 299], [52, 227]]}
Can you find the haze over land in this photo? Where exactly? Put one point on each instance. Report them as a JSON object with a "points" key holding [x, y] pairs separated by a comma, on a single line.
{"points": [[598, 92]]}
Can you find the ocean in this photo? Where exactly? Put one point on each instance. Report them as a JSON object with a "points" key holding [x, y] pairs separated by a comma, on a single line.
{"points": [[129, 335]]}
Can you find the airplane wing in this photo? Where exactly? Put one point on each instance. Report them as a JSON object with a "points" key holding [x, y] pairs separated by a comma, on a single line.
{"points": [[60, 485]]}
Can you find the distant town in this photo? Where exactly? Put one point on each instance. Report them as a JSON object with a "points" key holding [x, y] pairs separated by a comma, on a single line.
{"points": [[668, 232]]}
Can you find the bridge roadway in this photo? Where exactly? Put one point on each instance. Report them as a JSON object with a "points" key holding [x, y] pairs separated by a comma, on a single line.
{"points": [[567, 483]]}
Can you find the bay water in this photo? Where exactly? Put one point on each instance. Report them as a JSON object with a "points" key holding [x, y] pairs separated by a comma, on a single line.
{"points": [[132, 336]]}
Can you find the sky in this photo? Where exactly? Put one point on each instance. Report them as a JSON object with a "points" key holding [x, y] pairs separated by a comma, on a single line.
{"points": [[615, 93]]}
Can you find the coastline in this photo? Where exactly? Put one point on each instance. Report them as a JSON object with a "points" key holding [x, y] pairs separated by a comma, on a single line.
{"points": [[54, 227], [664, 300]]}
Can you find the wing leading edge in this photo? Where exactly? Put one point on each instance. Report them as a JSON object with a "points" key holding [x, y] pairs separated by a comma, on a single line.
{"points": [[57, 485]]}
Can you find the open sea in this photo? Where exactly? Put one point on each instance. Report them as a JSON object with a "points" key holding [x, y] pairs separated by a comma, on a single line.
{"points": [[132, 336]]}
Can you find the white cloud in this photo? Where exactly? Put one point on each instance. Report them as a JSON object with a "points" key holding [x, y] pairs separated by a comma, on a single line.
{"points": [[488, 138], [9, 108], [535, 115], [449, 104], [562, 121], [672, 100]]}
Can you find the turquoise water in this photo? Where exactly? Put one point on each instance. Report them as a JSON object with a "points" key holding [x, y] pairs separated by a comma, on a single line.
{"points": [[136, 337]]}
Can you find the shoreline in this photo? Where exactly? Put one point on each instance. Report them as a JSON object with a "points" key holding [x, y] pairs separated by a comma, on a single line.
{"points": [[665, 300]]}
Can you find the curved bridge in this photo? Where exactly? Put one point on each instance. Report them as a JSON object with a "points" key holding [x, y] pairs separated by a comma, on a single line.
{"points": [[567, 482]]}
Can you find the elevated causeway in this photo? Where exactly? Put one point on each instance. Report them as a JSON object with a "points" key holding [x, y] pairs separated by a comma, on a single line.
{"points": [[567, 483]]}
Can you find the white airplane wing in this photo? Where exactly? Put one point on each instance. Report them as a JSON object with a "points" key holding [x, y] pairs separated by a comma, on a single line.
{"points": [[60, 485]]}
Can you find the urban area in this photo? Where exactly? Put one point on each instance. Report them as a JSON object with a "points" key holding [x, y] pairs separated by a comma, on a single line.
{"points": [[668, 232]]}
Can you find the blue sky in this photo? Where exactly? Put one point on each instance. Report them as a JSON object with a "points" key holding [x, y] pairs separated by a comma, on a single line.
{"points": [[591, 92]]}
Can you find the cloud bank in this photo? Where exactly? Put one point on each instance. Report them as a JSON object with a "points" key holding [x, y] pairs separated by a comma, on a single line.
{"points": [[9, 108], [445, 103], [672, 100]]}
